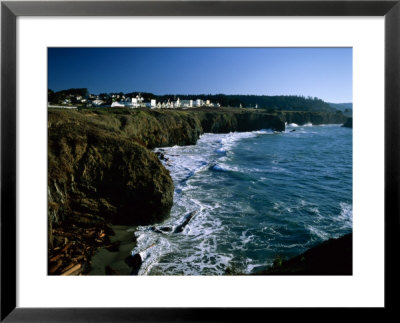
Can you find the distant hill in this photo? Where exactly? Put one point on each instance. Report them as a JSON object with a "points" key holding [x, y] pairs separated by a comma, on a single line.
{"points": [[346, 108], [341, 106]]}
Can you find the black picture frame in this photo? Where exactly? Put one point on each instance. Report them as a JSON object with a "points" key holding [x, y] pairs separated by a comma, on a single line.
{"points": [[10, 10]]}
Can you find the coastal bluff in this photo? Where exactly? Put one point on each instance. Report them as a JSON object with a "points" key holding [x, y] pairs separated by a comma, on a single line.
{"points": [[101, 169]]}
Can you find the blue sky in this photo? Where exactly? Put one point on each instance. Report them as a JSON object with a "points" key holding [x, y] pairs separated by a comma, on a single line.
{"points": [[325, 73]]}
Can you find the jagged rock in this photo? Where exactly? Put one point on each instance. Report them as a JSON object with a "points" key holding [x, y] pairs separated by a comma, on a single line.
{"points": [[186, 219], [348, 123]]}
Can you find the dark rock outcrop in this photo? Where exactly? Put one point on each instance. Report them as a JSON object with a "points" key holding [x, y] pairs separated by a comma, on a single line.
{"points": [[332, 257], [348, 123]]}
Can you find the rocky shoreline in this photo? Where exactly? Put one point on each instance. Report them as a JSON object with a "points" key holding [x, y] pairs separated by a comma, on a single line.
{"points": [[101, 171], [331, 257]]}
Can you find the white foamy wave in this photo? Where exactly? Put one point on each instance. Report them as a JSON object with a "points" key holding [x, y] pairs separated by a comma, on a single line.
{"points": [[220, 168], [221, 150], [346, 215], [318, 232], [264, 132], [227, 141], [250, 267], [292, 125], [183, 165], [203, 224], [246, 238], [308, 124], [151, 255], [232, 138], [150, 246], [201, 234]]}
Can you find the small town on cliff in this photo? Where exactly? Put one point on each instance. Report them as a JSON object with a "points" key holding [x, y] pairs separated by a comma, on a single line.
{"points": [[73, 100]]}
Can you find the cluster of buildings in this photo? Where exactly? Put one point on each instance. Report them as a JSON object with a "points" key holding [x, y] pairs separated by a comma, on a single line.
{"points": [[120, 100], [74, 99], [138, 102]]}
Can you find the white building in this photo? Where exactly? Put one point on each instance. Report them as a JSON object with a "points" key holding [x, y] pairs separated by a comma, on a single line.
{"points": [[138, 102], [187, 103], [199, 103], [117, 105], [97, 102]]}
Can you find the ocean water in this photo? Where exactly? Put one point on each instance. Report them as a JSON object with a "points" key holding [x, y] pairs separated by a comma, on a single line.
{"points": [[249, 197]]}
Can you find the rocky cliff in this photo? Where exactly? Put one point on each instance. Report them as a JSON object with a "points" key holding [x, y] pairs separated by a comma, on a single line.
{"points": [[242, 120], [95, 175]]}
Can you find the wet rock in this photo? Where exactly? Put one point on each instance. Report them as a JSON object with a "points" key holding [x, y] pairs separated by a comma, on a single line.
{"points": [[165, 229], [331, 257], [135, 262], [185, 222], [348, 123], [160, 155]]}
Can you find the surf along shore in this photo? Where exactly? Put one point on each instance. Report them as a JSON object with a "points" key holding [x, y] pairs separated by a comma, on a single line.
{"points": [[103, 178]]}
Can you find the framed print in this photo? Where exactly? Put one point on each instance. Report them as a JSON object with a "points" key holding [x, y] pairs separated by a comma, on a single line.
{"points": [[191, 160]]}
